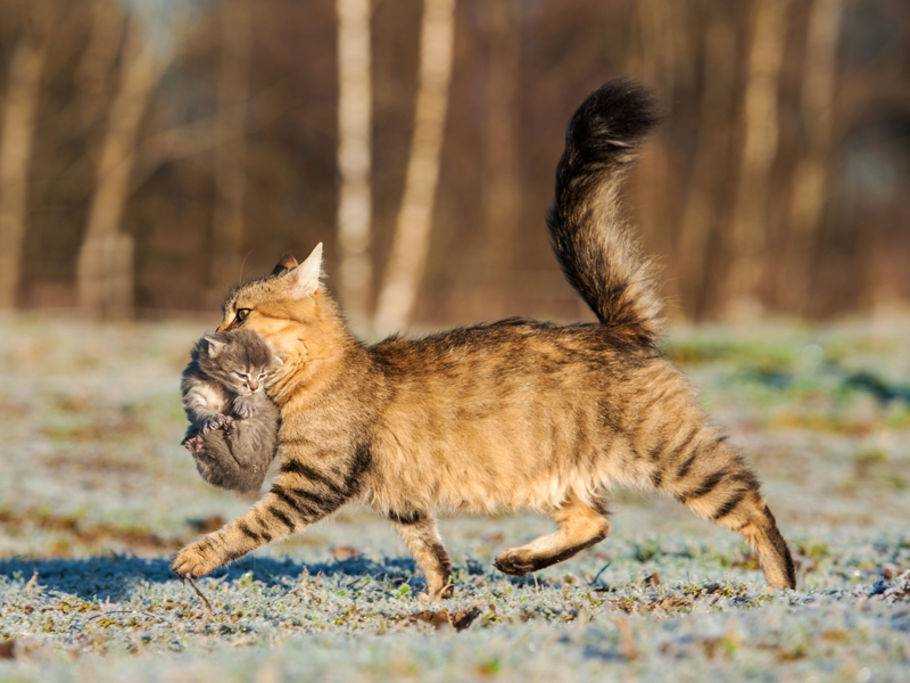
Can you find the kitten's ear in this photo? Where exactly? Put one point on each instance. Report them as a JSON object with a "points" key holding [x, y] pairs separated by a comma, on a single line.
{"points": [[213, 347], [304, 279], [287, 262]]}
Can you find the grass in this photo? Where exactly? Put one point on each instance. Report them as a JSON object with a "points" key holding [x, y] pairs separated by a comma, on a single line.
{"points": [[95, 494]]}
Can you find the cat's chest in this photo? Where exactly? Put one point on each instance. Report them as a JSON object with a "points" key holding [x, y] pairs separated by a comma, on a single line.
{"points": [[323, 426]]}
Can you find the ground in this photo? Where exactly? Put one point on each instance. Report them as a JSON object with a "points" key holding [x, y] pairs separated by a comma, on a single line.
{"points": [[96, 494]]}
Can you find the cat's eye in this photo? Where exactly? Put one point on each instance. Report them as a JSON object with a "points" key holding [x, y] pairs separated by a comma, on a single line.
{"points": [[241, 315]]}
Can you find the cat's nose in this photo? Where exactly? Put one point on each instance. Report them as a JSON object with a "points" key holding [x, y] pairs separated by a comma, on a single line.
{"points": [[254, 385]]}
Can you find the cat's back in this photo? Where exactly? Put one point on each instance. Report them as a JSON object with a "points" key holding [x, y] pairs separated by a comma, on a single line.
{"points": [[507, 347]]}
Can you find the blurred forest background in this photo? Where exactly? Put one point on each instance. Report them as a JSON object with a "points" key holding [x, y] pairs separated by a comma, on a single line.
{"points": [[153, 151]]}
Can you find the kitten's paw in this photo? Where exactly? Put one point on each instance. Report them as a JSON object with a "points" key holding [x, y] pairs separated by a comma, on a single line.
{"points": [[194, 444], [242, 407], [218, 421], [197, 559]]}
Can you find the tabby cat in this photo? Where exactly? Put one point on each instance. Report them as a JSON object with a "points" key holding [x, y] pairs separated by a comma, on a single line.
{"points": [[516, 414]]}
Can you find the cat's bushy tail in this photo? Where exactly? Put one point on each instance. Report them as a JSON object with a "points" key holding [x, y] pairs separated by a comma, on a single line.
{"points": [[598, 255]]}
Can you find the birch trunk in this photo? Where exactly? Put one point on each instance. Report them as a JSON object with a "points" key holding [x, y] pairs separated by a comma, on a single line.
{"points": [[817, 100], [760, 138], [354, 157], [104, 269], [411, 242], [229, 157], [16, 137]]}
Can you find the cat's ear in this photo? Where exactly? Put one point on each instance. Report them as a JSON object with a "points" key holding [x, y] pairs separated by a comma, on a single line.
{"points": [[287, 262], [304, 279], [213, 347]]}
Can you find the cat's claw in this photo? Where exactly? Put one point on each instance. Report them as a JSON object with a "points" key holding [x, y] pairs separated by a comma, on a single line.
{"points": [[194, 444], [225, 422], [242, 407]]}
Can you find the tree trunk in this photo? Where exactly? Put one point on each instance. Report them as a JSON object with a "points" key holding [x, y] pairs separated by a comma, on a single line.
{"points": [[808, 195], [411, 241], [501, 191], [16, 137], [99, 59], [229, 157], [656, 30], [354, 153], [760, 138], [699, 222], [104, 269]]}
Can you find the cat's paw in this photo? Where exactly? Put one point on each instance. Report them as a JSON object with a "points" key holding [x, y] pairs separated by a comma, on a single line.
{"points": [[242, 407], [197, 559], [218, 421]]}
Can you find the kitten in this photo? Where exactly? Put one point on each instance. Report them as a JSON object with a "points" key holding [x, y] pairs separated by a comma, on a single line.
{"points": [[233, 425], [516, 414]]}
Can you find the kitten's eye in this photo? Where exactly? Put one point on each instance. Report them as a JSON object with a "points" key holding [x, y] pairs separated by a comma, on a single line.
{"points": [[241, 315], [241, 375]]}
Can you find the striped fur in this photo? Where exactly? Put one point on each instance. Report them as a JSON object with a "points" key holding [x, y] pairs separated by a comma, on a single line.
{"points": [[516, 414]]}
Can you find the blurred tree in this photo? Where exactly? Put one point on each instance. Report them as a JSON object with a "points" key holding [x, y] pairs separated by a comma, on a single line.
{"points": [[105, 275], [233, 92], [759, 147], [19, 116], [501, 193], [700, 222], [405, 267], [782, 190], [355, 103], [817, 100]]}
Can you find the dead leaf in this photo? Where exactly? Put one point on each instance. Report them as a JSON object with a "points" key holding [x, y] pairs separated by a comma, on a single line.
{"points": [[464, 618], [459, 620], [438, 619], [7, 649], [344, 552], [205, 525]]}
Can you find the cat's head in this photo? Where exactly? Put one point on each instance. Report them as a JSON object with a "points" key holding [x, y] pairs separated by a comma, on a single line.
{"points": [[240, 360], [290, 309]]}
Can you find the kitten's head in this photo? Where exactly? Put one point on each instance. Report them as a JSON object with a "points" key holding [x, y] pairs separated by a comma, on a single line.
{"points": [[291, 309], [240, 360]]}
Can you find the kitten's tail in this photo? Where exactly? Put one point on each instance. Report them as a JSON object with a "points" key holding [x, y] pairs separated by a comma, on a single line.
{"points": [[598, 255]]}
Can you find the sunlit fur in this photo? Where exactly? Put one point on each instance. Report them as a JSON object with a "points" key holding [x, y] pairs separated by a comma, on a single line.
{"points": [[511, 415]]}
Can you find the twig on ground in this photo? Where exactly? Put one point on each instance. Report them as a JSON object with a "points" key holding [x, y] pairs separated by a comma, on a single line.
{"points": [[187, 579], [597, 575]]}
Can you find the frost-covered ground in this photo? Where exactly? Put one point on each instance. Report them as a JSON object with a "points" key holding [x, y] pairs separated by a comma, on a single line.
{"points": [[95, 494]]}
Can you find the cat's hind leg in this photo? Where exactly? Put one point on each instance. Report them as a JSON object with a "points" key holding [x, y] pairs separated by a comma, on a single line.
{"points": [[579, 526]]}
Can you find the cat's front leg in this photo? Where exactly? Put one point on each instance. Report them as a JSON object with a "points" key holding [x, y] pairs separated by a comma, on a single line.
{"points": [[303, 493], [243, 406], [214, 421]]}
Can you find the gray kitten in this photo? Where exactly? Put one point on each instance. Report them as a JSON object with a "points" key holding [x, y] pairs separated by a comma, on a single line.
{"points": [[233, 425]]}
